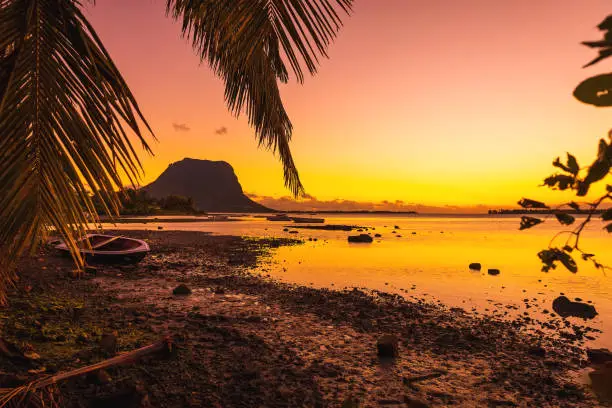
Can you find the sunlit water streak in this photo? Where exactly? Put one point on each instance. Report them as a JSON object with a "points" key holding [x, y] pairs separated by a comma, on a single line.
{"points": [[431, 260]]}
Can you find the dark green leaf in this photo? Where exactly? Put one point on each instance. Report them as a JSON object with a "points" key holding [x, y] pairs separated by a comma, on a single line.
{"points": [[549, 257], [609, 188], [607, 215], [574, 205], [528, 222], [527, 203], [557, 163], [565, 218], [596, 90], [586, 257], [608, 227], [572, 164], [560, 181]]}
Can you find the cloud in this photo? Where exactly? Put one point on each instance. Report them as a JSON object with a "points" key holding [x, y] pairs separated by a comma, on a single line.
{"points": [[221, 131], [311, 203], [181, 127]]}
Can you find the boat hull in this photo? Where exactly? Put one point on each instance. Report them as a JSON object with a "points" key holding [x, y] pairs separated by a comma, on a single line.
{"points": [[110, 252]]}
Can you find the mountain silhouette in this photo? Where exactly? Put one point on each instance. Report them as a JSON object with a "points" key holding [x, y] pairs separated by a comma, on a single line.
{"points": [[212, 185]]}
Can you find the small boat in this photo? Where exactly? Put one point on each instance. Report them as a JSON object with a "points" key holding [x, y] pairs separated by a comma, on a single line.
{"points": [[308, 220], [98, 248]]}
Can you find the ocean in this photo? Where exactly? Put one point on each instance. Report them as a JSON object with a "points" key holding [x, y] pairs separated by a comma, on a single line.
{"points": [[427, 258]]}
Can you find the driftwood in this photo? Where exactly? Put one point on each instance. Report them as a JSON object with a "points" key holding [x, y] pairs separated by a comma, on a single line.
{"points": [[20, 396]]}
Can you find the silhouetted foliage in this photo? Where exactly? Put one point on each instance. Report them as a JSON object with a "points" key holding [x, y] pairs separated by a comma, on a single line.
{"points": [[595, 91], [139, 202]]}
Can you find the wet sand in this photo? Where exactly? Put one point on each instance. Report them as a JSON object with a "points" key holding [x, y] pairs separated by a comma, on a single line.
{"points": [[244, 340]]}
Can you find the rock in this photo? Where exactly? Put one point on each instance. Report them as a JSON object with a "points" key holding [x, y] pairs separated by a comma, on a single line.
{"points": [[493, 272], [565, 308], [599, 356], [99, 377], [396, 227], [285, 229], [537, 351], [601, 381], [361, 238], [387, 346], [475, 266], [377, 235], [108, 343], [181, 290], [160, 228]]}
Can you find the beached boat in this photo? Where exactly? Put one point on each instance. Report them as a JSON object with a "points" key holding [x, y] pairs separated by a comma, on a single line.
{"points": [[309, 220], [279, 217], [99, 248]]}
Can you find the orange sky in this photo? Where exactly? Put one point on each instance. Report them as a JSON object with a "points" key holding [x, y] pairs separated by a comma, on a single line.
{"points": [[437, 102]]}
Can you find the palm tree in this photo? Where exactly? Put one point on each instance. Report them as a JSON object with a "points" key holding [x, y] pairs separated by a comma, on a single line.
{"points": [[66, 113]]}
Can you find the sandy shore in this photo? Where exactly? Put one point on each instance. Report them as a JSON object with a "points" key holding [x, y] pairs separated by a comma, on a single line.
{"points": [[244, 340]]}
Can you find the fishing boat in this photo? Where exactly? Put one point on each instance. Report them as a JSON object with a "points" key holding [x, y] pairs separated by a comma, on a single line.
{"points": [[279, 217], [308, 220], [99, 248]]}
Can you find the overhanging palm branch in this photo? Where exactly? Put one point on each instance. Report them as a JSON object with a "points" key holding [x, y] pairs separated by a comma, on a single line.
{"points": [[65, 112], [249, 43]]}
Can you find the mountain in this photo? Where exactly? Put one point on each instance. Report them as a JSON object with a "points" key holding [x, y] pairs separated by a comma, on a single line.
{"points": [[213, 185]]}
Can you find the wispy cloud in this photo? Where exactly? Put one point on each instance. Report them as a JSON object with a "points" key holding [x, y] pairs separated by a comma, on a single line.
{"points": [[310, 203], [181, 127], [221, 131]]}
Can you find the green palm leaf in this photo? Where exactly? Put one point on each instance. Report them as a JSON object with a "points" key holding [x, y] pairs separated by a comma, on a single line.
{"points": [[65, 112], [249, 43]]}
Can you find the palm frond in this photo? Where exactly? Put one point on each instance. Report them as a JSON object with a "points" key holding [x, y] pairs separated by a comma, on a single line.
{"points": [[65, 112], [249, 43]]}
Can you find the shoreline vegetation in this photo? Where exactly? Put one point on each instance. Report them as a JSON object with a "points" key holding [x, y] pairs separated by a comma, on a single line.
{"points": [[244, 339]]}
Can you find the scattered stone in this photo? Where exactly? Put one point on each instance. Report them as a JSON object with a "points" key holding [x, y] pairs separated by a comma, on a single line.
{"points": [[565, 308], [396, 227], [361, 238], [537, 351], [493, 272], [476, 266], [160, 228], [387, 346], [181, 290], [377, 235], [599, 356]]}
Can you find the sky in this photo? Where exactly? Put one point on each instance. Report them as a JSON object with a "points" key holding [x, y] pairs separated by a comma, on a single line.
{"points": [[440, 103]]}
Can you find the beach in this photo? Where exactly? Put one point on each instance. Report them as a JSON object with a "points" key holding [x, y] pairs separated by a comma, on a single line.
{"points": [[245, 339]]}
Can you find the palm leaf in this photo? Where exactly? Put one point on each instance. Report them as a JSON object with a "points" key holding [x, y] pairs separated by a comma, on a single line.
{"points": [[249, 43], [65, 112]]}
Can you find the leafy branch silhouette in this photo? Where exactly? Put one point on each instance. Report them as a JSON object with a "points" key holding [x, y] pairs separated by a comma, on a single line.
{"points": [[596, 91]]}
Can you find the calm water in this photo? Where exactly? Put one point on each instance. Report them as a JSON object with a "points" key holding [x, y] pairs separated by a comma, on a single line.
{"points": [[433, 262]]}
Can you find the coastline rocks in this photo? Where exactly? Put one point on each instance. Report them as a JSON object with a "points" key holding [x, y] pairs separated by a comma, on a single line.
{"points": [[601, 381], [565, 308], [475, 266], [387, 347], [181, 290], [361, 238], [599, 356], [493, 272], [377, 235]]}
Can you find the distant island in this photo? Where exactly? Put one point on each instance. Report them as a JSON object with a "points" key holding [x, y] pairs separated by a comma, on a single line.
{"points": [[211, 185]]}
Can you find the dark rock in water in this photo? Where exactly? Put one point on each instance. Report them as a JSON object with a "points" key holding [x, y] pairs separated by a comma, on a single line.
{"points": [[565, 308], [293, 232], [387, 346], [213, 185], [182, 289], [475, 266], [599, 356], [160, 228], [286, 229], [361, 238], [396, 227], [108, 343], [377, 235], [493, 272]]}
